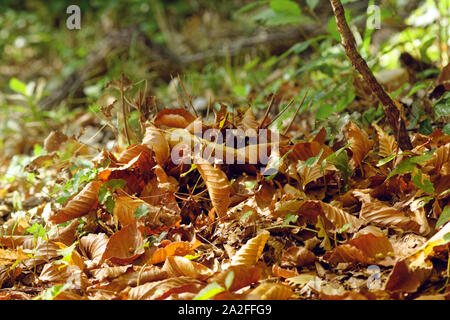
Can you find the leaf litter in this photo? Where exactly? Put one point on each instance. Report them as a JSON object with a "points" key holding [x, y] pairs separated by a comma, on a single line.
{"points": [[139, 226]]}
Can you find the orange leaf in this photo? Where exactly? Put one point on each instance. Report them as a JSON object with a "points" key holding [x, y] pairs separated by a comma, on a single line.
{"points": [[179, 248], [366, 249], [271, 291], [155, 140], [250, 252], [174, 118], [387, 143], [360, 144], [244, 275], [297, 257], [217, 184], [124, 246], [176, 266], [80, 205]]}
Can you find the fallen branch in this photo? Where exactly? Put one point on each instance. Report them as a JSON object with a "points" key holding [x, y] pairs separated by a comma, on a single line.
{"points": [[391, 111]]}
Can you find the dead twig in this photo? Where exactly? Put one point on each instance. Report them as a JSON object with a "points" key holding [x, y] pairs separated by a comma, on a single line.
{"points": [[391, 111]]}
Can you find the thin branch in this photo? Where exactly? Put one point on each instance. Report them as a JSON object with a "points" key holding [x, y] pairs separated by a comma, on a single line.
{"points": [[391, 111], [296, 112]]}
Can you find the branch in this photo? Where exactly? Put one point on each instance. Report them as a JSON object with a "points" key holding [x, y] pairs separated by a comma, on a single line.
{"points": [[391, 111]]}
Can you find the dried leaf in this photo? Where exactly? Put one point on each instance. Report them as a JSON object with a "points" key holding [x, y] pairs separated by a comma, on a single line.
{"points": [[54, 141], [162, 289], [366, 249], [409, 273], [383, 215], [180, 248], [387, 143], [271, 291], [179, 266], [297, 257], [339, 218], [93, 246], [80, 205], [360, 144], [154, 139], [174, 118], [250, 252], [124, 246], [243, 276], [218, 186]]}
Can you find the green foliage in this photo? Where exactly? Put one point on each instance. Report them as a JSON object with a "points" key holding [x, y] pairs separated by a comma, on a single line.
{"points": [[105, 193], [409, 164], [442, 106], [209, 291], [444, 217], [141, 211]]}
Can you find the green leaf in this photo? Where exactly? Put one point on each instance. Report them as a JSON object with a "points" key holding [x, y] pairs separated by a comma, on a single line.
{"points": [[444, 217], [209, 291], [409, 164], [38, 231], [324, 111], [344, 227], [141, 211], [53, 292], [103, 193], [425, 185], [285, 7], [312, 3], [18, 86], [290, 218], [446, 129], [229, 279], [116, 184], [110, 204], [382, 162], [311, 162], [442, 106], [341, 161]]}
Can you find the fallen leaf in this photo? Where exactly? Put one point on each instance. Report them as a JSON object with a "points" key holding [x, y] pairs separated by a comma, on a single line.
{"points": [[80, 205], [124, 246]]}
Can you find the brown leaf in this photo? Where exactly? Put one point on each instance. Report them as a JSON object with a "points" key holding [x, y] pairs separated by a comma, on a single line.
{"points": [[218, 186], [93, 246], [366, 249], [271, 291], [154, 139], [176, 266], [8, 256], [162, 289], [250, 252], [387, 143], [411, 272], [54, 141], [338, 217], [124, 246], [383, 215], [64, 274], [179, 248], [440, 162], [157, 219], [360, 144], [244, 276], [174, 118], [297, 257], [132, 152], [80, 205]]}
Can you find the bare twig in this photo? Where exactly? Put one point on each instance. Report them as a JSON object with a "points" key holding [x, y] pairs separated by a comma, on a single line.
{"points": [[295, 114], [390, 109]]}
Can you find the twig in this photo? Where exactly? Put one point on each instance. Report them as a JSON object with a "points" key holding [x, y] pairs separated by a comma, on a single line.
{"points": [[390, 109], [124, 110], [296, 112], [267, 111], [280, 113]]}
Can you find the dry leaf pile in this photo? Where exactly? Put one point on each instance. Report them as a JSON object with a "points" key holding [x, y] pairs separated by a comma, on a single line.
{"points": [[358, 220]]}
